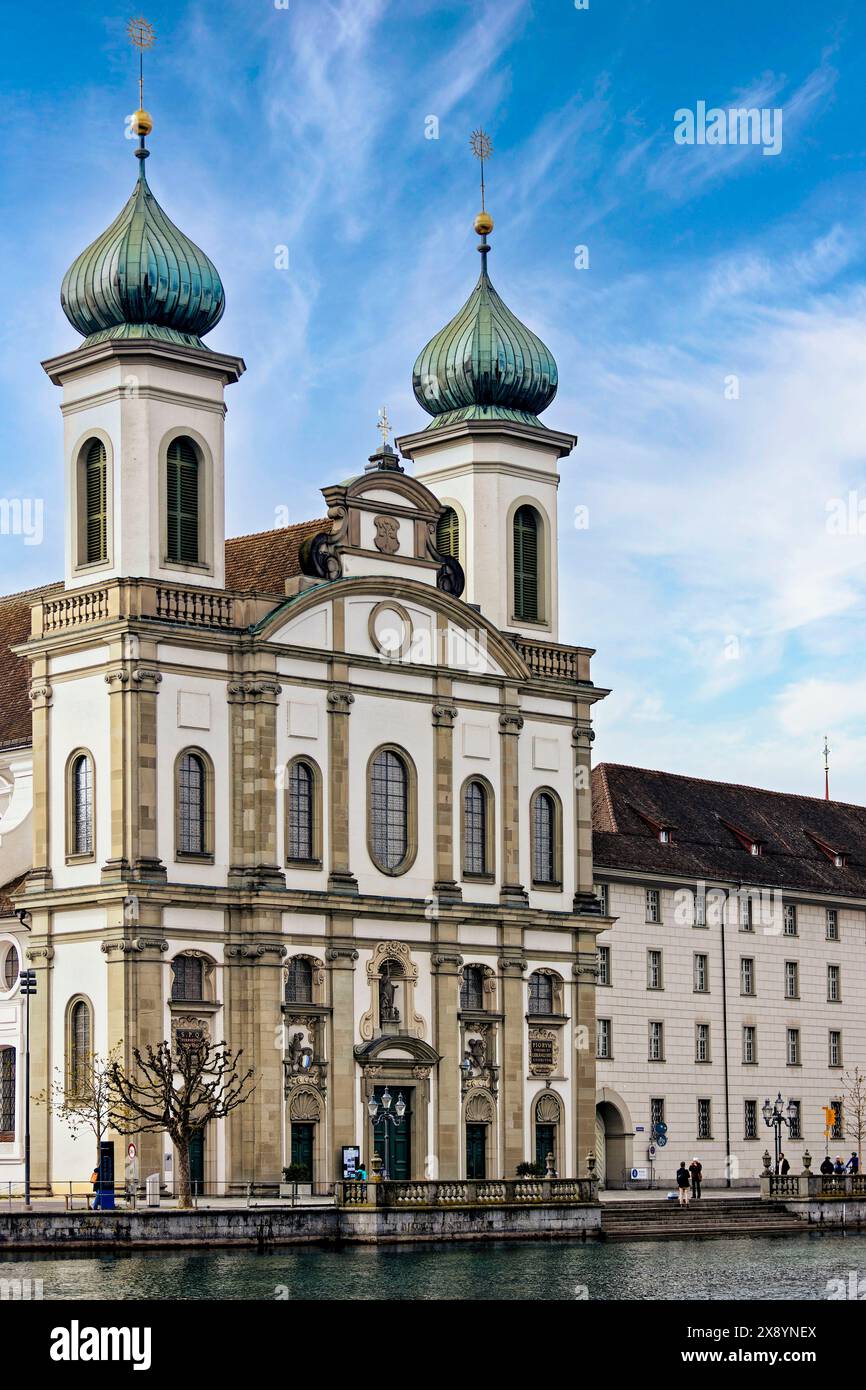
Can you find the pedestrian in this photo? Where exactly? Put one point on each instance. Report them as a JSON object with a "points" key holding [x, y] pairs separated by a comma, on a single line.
{"points": [[696, 1169], [853, 1164], [94, 1178], [827, 1166], [784, 1166], [839, 1166], [683, 1181], [361, 1173]]}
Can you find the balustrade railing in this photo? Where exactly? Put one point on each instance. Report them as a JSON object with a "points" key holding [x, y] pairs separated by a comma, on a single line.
{"points": [[351, 1192]]}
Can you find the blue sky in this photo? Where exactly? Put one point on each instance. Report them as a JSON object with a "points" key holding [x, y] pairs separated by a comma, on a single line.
{"points": [[727, 617]]}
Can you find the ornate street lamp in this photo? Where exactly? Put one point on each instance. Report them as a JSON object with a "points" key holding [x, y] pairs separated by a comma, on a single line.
{"points": [[379, 1110], [774, 1116]]}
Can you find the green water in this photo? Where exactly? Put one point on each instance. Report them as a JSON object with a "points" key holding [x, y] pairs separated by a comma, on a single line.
{"points": [[763, 1267]]}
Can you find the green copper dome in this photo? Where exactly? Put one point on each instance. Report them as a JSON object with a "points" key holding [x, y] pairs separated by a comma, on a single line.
{"points": [[143, 279], [485, 364]]}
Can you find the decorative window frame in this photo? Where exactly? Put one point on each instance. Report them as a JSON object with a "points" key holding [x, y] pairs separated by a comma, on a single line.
{"points": [[68, 1041], [555, 886], [209, 978], [544, 622], [205, 562], [411, 810], [315, 860], [205, 856], [488, 874], [412, 1023], [488, 988], [558, 992], [78, 493], [7, 944], [73, 855], [318, 981], [8, 1136]]}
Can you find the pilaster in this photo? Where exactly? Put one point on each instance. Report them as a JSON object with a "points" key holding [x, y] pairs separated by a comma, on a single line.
{"points": [[253, 988], [341, 957], [340, 700], [40, 879], [446, 963], [510, 725], [444, 718], [512, 967]]}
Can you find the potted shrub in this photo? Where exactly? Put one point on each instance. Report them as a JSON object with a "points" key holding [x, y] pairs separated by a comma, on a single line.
{"points": [[295, 1181]]}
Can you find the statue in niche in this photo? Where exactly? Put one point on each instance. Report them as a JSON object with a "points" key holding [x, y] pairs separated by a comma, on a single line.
{"points": [[476, 1052], [300, 1058], [388, 1012]]}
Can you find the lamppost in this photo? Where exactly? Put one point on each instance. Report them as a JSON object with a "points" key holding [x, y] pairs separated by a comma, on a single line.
{"points": [[27, 980], [773, 1115], [379, 1110]]}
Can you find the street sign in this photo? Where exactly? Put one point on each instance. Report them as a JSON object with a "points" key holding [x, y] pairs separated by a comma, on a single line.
{"points": [[131, 1151], [661, 1140], [639, 1174]]}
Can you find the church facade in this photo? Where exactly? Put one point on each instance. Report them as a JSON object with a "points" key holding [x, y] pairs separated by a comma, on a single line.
{"points": [[321, 792]]}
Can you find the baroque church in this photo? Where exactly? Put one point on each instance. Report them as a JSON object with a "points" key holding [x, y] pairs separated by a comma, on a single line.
{"points": [[321, 792]]}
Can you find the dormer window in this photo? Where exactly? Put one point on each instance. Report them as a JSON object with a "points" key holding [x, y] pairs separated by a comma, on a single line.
{"points": [[665, 836], [837, 857], [747, 841], [663, 832], [755, 847]]}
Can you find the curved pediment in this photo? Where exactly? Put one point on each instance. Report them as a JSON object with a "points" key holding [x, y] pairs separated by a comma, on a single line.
{"points": [[397, 1048]]}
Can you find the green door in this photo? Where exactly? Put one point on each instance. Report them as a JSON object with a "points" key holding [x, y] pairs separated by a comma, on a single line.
{"points": [[196, 1162], [392, 1141], [545, 1143], [302, 1149], [476, 1147]]}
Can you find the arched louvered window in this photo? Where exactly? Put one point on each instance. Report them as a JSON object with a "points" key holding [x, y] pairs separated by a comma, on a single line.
{"points": [[95, 465], [7, 1093], [448, 533], [81, 794], [475, 829], [182, 502], [526, 548], [472, 988], [540, 993], [187, 978], [389, 809], [192, 804], [544, 856], [301, 826], [299, 981], [79, 1044]]}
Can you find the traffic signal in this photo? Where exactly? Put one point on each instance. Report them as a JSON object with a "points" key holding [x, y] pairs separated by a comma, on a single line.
{"points": [[27, 981]]}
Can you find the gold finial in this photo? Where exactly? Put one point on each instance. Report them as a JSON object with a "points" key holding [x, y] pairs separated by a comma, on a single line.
{"points": [[384, 426], [482, 148], [141, 35]]}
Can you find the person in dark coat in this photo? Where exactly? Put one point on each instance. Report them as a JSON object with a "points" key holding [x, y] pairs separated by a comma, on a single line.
{"points": [[696, 1171], [827, 1166], [683, 1184], [853, 1164], [784, 1166]]}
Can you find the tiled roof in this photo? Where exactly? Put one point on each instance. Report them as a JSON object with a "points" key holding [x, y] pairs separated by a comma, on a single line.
{"points": [[6, 892], [15, 674], [264, 561], [705, 847]]}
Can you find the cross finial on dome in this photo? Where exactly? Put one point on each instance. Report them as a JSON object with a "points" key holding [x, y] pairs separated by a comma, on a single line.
{"points": [[142, 35], [482, 148]]}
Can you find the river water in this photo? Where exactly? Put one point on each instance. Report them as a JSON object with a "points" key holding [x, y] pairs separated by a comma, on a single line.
{"points": [[755, 1268]]}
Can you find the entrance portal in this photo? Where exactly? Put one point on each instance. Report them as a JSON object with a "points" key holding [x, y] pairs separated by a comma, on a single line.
{"points": [[302, 1149], [476, 1149], [613, 1145], [393, 1141]]}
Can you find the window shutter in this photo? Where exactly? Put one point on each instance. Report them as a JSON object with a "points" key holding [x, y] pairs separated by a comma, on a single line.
{"points": [[448, 534], [182, 502], [526, 565], [96, 527]]}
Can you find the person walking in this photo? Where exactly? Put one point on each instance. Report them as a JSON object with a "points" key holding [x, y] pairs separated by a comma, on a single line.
{"points": [[683, 1182], [784, 1166], [696, 1172]]}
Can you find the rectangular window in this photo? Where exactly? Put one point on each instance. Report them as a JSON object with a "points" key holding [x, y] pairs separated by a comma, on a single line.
{"points": [[834, 984], [600, 890], [657, 1110], [793, 1047], [750, 1119], [790, 920], [653, 905], [656, 1051], [746, 919], [705, 1119], [702, 974], [604, 977], [702, 1042], [747, 975], [603, 1038], [654, 970], [699, 915], [835, 1052], [792, 979], [832, 924], [795, 1130], [750, 1045]]}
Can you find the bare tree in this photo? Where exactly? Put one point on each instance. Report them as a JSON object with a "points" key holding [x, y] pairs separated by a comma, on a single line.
{"points": [[178, 1093], [83, 1103], [854, 1108]]}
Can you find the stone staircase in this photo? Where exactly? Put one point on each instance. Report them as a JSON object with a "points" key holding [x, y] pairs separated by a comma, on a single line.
{"points": [[710, 1216]]}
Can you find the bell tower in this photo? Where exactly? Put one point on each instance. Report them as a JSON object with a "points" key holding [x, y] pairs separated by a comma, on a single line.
{"points": [[143, 398], [485, 378]]}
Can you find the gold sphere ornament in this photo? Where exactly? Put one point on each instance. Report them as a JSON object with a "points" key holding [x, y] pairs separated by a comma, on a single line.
{"points": [[142, 122], [483, 224]]}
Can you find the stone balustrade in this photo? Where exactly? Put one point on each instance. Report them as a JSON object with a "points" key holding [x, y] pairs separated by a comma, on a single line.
{"points": [[467, 1192], [813, 1186]]}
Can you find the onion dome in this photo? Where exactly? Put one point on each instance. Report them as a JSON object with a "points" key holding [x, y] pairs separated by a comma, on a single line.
{"points": [[485, 364], [143, 278]]}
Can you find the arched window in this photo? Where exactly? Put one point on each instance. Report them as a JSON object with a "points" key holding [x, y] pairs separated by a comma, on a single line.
{"points": [[448, 533], [302, 813], [80, 794], [299, 981], [182, 506], [7, 1093], [9, 974], [540, 993], [187, 978], [389, 798], [95, 496], [525, 529], [193, 805], [472, 988], [79, 1046], [475, 829], [544, 813]]}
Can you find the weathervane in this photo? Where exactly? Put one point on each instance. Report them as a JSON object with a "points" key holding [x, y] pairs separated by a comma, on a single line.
{"points": [[384, 426], [826, 751], [482, 148], [141, 35]]}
